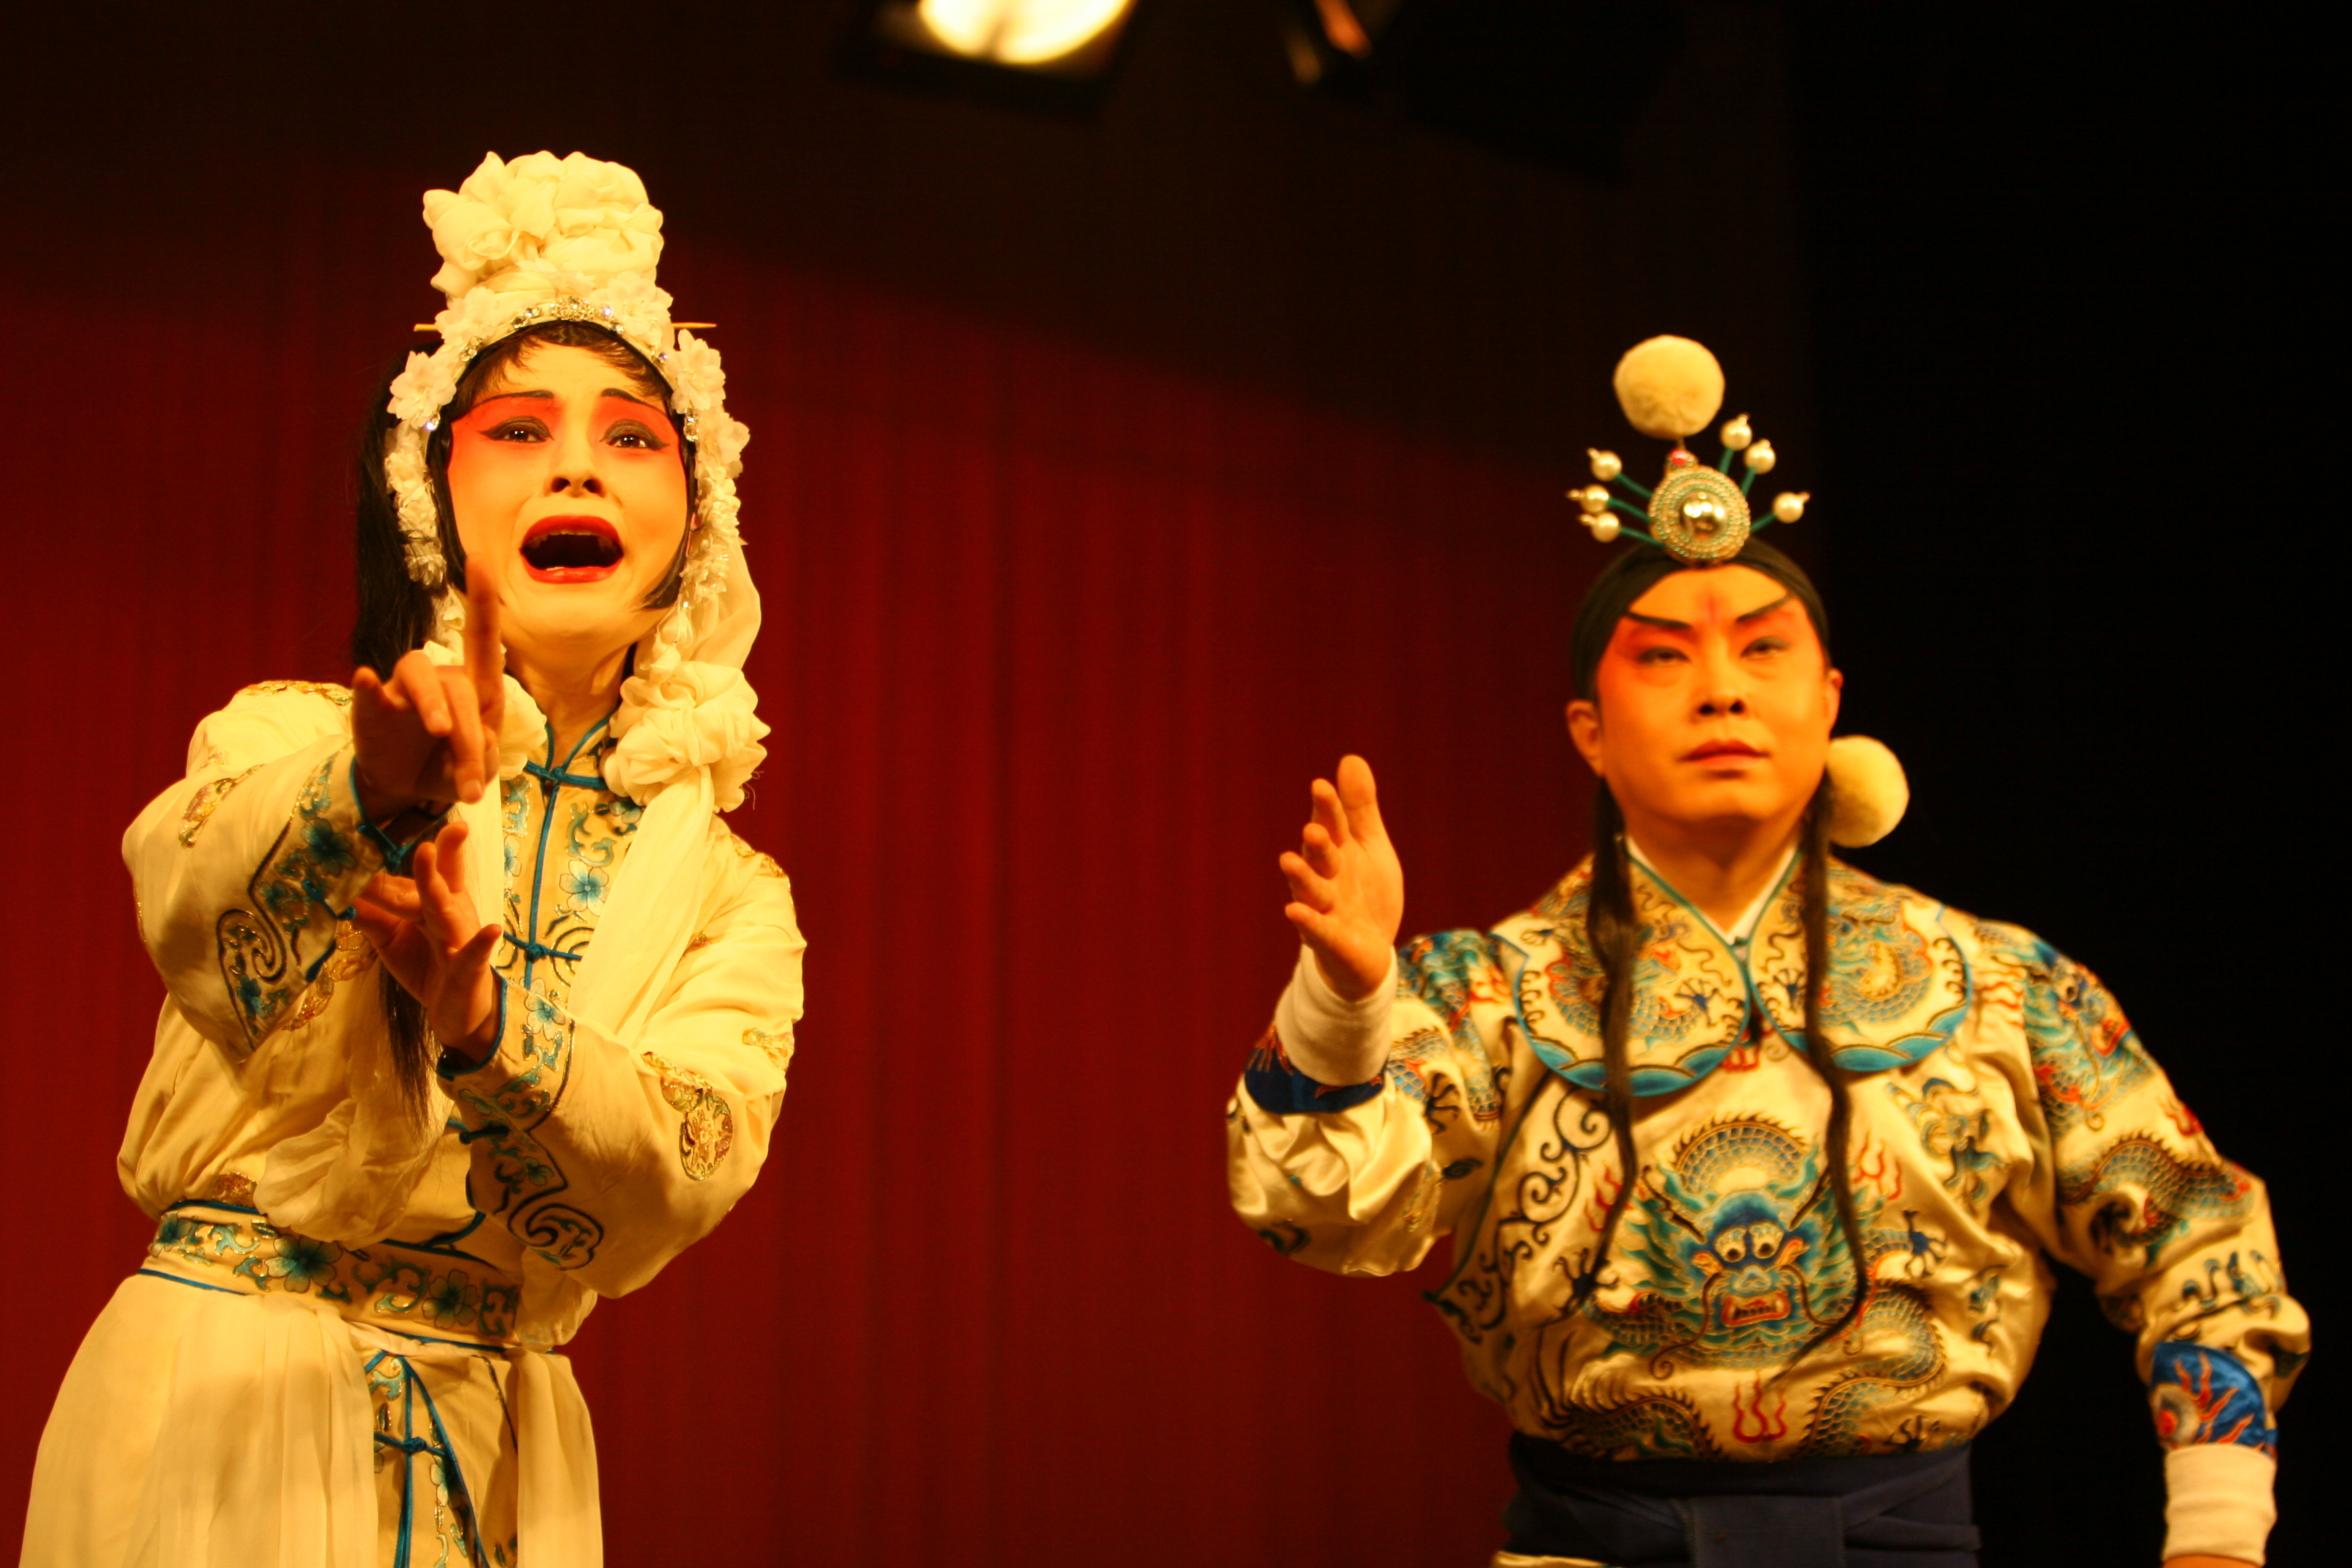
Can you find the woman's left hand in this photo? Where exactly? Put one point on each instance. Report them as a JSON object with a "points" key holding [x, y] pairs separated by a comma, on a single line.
{"points": [[424, 929]]}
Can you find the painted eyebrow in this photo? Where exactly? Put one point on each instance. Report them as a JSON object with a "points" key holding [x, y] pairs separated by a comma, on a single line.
{"points": [[1663, 625], [549, 396]]}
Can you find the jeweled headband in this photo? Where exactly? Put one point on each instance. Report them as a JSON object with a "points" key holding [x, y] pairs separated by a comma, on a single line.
{"points": [[1671, 389], [560, 240]]}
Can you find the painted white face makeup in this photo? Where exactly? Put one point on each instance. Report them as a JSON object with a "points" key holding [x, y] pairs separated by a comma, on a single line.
{"points": [[566, 480]]}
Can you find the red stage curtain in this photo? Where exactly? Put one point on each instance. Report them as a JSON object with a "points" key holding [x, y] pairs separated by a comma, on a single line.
{"points": [[1053, 642]]}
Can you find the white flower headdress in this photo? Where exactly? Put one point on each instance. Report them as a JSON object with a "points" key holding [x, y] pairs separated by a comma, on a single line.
{"points": [[546, 239]]}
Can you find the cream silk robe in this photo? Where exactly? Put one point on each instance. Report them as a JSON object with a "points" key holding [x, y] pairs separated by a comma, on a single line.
{"points": [[338, 1350], [2003, 1111]]}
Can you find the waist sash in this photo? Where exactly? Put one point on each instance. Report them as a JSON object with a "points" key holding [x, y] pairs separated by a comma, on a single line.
{"points": [[425, 1290], [1870, 1511], [269, 1432]]}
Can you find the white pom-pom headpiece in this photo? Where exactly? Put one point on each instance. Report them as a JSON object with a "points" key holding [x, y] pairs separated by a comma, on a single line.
{"points": [[544, 239], [1867, 790], [1671, 389]]}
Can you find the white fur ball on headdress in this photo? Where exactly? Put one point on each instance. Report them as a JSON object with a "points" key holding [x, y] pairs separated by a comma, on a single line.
{"points": [[1867, 790], [1669, 387]]}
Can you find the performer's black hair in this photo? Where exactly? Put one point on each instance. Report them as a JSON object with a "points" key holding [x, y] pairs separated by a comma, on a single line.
{"points": [[1615, 934], [395, 612]]}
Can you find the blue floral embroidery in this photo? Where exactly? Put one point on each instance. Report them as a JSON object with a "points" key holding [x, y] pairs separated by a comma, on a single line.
{"points": [[271, 952], [565, 839], [515, 1178], [303, 1262], [583, 887]]}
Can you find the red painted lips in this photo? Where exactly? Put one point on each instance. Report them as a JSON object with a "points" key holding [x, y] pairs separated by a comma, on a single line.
{"points": [[572, 550]]}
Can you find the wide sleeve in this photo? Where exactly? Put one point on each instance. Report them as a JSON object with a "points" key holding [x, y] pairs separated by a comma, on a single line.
{"points": [[243, 868], [608, 1157], [1362, 1178], [2177, 1241]]}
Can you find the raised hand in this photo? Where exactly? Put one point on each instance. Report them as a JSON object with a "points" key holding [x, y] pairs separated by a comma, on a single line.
{"points": [[1347, 888], [430, 734], [424, 931]]}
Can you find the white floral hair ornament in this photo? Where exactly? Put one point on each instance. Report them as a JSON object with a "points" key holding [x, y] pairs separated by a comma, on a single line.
{"points": [[546, 239]]}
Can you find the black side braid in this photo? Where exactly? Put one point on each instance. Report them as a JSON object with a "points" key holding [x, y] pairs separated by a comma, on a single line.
{"points": [[1816, 873], [1615, 936]]}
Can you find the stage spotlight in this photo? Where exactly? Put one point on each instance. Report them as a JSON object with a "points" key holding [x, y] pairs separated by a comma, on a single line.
{"points": [[1020, 32], [1065, 38]]}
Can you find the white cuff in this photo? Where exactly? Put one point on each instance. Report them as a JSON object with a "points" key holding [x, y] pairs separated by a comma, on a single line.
{"points": [[1333, 1040], [2218, 1500]]}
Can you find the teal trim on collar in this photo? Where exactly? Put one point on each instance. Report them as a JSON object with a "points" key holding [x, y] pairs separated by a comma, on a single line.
{"points": [[1920, 987]]}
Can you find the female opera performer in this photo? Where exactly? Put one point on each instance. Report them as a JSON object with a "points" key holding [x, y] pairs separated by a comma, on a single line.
{"points": [[396, 1152], [1709, 1208]]}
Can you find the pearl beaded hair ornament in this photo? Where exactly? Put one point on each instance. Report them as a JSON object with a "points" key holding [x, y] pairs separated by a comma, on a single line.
{"points": [[1671, 389], [535, 241]]}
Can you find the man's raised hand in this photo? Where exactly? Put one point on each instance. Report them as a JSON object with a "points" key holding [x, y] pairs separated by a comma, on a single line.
{"points": [[430, 734], [1347, 888]]}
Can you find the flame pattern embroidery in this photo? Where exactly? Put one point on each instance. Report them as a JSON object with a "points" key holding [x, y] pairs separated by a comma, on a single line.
{"points": [[1749, 1421], [2202, 1395]]}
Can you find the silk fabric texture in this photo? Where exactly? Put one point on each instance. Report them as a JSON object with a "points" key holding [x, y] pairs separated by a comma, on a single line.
{"points": [[237, 1430], [2002, 1111]]}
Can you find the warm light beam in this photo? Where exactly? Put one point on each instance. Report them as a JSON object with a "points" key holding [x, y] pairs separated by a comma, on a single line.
{"points": [[1020, 32]]}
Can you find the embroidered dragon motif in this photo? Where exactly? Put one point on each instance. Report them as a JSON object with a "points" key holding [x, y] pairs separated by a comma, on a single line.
{"points": [[2152, 1193]]}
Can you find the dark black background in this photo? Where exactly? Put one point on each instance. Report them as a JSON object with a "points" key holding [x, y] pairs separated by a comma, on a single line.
{"points": [[2066, 319], [2053, 352]]}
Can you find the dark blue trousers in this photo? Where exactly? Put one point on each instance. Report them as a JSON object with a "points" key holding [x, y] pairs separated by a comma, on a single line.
{"points": [[1872, 1510]]}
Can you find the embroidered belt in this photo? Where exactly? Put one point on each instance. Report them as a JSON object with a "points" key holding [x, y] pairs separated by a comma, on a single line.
{"points": [[428, 1290]]}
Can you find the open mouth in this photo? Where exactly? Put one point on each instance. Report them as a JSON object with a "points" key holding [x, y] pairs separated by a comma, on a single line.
{"points": [[1739, 1314], [572, 550]]}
